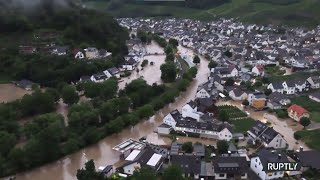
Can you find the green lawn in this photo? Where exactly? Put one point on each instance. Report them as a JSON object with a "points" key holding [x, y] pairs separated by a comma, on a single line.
{"points": [[274, 71], [311, 138], [242, 125], [312, 106], [297, 75], [233, 112]]}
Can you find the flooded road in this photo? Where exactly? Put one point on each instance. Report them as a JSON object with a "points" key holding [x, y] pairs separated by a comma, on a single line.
{"points": [[150, 73], [102, 153], [10, 92], [286, 127]]}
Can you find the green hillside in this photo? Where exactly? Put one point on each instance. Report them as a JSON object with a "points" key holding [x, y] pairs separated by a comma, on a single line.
{"points": [[290, 12]]}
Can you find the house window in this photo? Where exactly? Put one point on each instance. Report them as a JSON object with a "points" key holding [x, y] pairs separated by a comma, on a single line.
{"points": [[255, 166], [256, 160], [221, 175], [275, 173]]}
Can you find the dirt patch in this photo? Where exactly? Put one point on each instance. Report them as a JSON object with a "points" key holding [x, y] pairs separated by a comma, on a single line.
{"points": [[10, 92]]}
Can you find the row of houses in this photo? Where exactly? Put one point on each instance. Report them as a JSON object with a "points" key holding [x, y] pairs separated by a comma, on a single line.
{"points": [[236, 164]]}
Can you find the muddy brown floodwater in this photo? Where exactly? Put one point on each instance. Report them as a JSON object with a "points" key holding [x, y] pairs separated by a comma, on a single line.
{"points": [[150, 73], [10, 92], [102, 153]]}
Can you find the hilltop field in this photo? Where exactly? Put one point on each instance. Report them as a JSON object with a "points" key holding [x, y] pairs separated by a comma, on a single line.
{"points": [[289, 12]]}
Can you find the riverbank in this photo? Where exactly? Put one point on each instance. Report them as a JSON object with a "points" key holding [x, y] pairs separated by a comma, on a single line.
{"points": [[102, 152]]}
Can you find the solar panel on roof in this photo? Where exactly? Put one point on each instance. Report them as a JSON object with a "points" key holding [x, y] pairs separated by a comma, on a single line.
{"points": [[225, 165]]}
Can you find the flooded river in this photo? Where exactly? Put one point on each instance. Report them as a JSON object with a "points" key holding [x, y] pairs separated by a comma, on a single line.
{"points": [[102, 153]]}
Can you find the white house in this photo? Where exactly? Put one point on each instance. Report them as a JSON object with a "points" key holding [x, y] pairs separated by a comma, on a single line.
{"points": [[144, 157], [230, 166], [172, 118], [314, 82], [258, 70], [212, 130], [258, 164], [190, 110], [78, 54], [237, 94], [266, 135], [99, 77]]}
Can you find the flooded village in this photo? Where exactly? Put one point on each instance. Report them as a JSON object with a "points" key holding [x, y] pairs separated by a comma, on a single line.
{"points": [[237, 97]]}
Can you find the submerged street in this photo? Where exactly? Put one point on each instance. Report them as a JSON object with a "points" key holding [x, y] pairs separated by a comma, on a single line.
{"points": [[102, 152]]}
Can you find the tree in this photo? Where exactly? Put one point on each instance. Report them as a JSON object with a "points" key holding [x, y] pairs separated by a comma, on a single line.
{"points": [[304, 121], [245, 102], [196, 59], [7, 142], [183, 84], [173, 42], [133, 36], [222, 146], [170, 57], [89, 172], [145, 173], [144, 63], [173, 172], [212, 64], [258, 84], [224, 116], [54, 93], [187, 147], [168, 72], [70, 95], [168, 49], [229, 82], [267, 92]]}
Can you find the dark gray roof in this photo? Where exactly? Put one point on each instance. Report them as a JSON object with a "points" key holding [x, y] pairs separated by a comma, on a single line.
{"points": [[316, 95], [163, 125], [100, 75], [209, 126], [277, 85], [198, 149], [24, 83], [236, 165], [176, 115], [107, 169], [276, 96], [188, 164], [192, 104], [113, 71], [291, 83], [264, 132], [309, 158], [267, 156]]}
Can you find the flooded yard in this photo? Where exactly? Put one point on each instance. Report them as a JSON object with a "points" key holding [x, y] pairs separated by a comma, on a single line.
{"points": [[10, 92], [286, 127], [150, 73]]}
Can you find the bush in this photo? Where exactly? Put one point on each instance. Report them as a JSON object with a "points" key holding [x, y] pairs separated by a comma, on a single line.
{"points": [[144, 63], [297, 136]]}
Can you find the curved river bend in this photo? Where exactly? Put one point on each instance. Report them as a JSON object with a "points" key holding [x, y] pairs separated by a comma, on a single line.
{"points": [[102, 153]]}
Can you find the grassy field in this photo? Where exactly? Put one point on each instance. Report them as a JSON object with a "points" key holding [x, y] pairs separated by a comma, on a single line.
{"points": [[290, 12], [311, 138], [297, 75], [243, 125], [274, 71], [238, 118], [312, 106]]}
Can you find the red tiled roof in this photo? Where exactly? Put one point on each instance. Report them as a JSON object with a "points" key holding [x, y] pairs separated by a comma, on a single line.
{"points": [[298, 109], [260, 67]]}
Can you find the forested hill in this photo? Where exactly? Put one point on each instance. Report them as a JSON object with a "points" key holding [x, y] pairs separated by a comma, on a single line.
{"points": [[76, 25], [291, 12]]}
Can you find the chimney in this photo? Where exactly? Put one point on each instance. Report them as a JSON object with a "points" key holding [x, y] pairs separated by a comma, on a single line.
{"points": [[279, 156], [301, 149]]}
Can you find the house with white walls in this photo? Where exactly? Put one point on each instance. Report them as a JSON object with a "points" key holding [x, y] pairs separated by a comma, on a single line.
{"points": [[258, 164]]}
